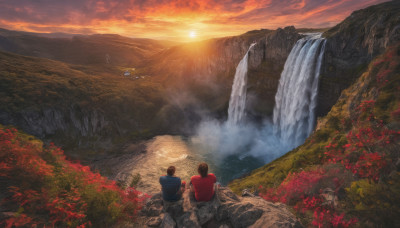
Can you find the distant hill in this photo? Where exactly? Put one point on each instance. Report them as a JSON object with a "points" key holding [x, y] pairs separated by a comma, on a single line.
{"points": [[60, 102], [104, 49]]}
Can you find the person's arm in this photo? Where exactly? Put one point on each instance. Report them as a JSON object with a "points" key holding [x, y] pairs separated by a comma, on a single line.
{"points": [[215, 183], [180, 191], [191, 186]]}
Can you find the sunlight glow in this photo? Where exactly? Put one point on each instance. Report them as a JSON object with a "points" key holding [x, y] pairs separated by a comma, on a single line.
{"points": [[192, 34]]}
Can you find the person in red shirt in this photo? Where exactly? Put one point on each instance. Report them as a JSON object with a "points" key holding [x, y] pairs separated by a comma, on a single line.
{"points": [[203, 185]]}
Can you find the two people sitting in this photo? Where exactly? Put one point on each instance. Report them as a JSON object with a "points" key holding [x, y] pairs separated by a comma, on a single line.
{"points": [[201, 185]]}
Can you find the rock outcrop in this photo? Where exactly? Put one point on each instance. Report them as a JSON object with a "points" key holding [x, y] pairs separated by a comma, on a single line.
{"points": [[212, 64], [50, 120], [224, 211], [204, 71], [351, 45], [68, 124]]}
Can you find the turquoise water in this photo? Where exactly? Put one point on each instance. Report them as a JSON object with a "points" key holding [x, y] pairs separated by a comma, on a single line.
{"points": [[226, 168], [166, 150], [234, 167]]}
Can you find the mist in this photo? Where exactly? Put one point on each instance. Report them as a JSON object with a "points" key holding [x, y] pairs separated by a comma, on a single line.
{"points": [[220, 139]]}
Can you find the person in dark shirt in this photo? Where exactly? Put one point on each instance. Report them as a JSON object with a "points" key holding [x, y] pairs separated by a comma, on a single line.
{"points": [[203, 185], [172, 186]]}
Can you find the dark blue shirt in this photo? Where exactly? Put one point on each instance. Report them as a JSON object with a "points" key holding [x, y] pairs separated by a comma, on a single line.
{"points": [[170, 188]]}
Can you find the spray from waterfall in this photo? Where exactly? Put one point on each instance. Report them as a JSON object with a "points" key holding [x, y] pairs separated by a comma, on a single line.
{"points": [[237, 102], [235, 146], [296, 99]]}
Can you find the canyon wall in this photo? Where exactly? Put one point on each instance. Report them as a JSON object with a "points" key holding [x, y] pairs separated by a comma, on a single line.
{"points": [[352, 44]]}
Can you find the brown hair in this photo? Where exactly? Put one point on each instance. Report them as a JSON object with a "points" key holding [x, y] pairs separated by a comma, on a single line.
{"points": [[203, 169], [171, 170]]}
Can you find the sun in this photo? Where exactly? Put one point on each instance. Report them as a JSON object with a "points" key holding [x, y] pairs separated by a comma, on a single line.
{"points": [[192, 34]]}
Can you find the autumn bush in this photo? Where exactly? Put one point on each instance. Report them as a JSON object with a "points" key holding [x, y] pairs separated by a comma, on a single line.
{"points": [[50, 190], [359, 168]]}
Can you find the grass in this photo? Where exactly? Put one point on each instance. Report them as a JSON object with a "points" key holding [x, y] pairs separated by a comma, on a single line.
{"points": [[307, 155], [380, 83], [29, 84]]}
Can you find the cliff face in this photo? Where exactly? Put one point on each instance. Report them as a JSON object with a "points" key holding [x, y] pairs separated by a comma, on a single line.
{"points": [[54, 101], [50, 121], [364, 122], [83, 106], [351, 45], [265, 66], [212, 64]]}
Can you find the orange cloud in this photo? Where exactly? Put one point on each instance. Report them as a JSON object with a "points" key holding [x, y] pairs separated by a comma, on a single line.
{"points": [[172, 19]]}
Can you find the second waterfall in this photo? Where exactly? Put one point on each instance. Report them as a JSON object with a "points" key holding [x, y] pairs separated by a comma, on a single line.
{"points": [[237, 102]]}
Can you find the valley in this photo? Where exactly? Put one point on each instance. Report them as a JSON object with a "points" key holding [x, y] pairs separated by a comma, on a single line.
{"points": [[306, 118]]}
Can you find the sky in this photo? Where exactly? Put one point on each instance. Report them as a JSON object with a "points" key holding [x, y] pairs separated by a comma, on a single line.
{"points": [[178, 20]]}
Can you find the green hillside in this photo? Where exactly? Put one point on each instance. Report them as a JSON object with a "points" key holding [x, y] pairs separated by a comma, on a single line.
{"points": [[31, 85], [98, 49], [353, 152]]}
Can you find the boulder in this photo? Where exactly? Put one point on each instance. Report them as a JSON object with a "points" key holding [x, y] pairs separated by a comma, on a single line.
{"points": [[175, 209], [167, 221], [155, 221], [188, 220], [154, 207], [225, 210]]}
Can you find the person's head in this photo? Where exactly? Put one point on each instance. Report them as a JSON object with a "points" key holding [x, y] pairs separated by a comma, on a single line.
{"points": [[203, 169], [171, 170]]}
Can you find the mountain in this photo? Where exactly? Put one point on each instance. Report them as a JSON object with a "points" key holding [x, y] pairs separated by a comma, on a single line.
{"points": [[60, 102], [209, 67], [93, 105], [347, 171], [103, 49], [352, 44], [71, 90]]}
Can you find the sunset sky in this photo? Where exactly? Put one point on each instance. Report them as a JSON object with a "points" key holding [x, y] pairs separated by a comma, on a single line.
{"points": [[180, 20]]}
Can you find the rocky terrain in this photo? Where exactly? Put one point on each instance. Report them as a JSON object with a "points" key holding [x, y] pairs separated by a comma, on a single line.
{"points": [[211, 65], [194, 79], [351, 45], [187, 81], [225, 210]]}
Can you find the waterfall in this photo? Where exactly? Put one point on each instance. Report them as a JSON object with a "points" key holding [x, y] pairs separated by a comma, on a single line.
{"points": [[296, 99], [237, 101]]}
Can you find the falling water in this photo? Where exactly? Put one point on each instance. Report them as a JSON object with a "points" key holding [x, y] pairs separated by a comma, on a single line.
{"points": [[296, 99], [237, 101]]}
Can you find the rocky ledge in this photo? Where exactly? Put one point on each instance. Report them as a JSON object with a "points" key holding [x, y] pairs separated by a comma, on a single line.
{"points": [[224, 211]]}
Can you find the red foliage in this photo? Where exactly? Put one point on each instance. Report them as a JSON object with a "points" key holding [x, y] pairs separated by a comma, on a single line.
{"points": [[18, 221], [295, 186], [325, 217], [303, 191], [32, 166], [396, 113], [385, 70], [363, 152], [381, 76], [20, 157]]}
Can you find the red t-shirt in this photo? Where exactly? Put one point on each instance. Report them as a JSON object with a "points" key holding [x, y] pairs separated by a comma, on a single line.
{"points": [[203, 186]]}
